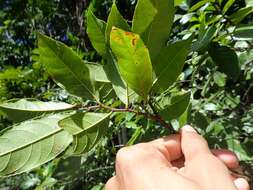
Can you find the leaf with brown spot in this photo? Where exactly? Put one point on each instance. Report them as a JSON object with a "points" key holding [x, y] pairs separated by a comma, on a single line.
{"points": [[133, 60]]}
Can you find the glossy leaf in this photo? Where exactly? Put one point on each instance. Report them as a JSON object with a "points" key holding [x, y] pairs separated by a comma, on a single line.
{"points": [[115, 19], [87, 129], [170, 63], [66, 67], [172, 107], [244, 32], [159, 30], [228, 4], [226, 60], [200, 4], [96, 32], [22, 109], [32, 143], [143, 16], [133, 60], [238, 16]]}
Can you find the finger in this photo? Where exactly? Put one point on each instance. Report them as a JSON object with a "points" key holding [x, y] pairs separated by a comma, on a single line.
{"points": [[201, 165], [169, 146], [192, 144], [112, 184], [241, 184], [227, 157], [146, 165]]}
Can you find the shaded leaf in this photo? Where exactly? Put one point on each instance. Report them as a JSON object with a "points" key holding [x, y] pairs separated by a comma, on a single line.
{"points": [[66, 67], [171, 62], [86, 128], [32, 143], [133, 60], [226, 60], [22, 109], [96, 32], [172, 107], [244, 32], [204, 39], [159, 30], [143, 16]]}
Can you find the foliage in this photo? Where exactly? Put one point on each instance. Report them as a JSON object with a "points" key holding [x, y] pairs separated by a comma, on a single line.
{"points": [[193, 65]]}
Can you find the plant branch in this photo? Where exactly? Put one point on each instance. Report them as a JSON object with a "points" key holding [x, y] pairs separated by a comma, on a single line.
{"points": [[156, 117]]}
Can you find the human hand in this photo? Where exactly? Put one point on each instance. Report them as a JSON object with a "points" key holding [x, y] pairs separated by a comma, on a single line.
{"points": [[177, 162]]}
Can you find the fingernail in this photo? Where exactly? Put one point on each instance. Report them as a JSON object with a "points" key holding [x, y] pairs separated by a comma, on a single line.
{"points": [[188, 128]]}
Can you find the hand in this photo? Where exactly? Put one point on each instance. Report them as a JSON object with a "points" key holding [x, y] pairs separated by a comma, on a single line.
{"points": [[177, 162]]}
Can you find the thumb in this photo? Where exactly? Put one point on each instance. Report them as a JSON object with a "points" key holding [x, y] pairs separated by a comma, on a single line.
{"points": [[201, 165], [192, 143]]}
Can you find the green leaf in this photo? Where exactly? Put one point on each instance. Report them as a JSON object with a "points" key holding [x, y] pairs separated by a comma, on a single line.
{"points": [[244, 32], [32, 143], [66, 67], [238, 16], [179, 2], [125, 94], [219, 78], [115, 19], [171, 62], [143, 16], [173, 107], [227, 6], [186, 116], [200, 4], [204, 39], [226, 60], [159, 30], [96, 32], [133, 60], [86, 128], [98, 73], [22, 109]]}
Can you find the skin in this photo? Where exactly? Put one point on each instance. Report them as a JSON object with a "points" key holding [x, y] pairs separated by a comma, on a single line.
{"points": [[179, 162]]}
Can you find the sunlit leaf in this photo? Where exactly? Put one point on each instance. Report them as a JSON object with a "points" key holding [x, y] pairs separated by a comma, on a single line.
{"points": [[143, 16], [87, 129], [22, 109], [133, 60], [32, 143], [115, 19], [158, 33], [96, 32], [66, 67], [170, 63]]}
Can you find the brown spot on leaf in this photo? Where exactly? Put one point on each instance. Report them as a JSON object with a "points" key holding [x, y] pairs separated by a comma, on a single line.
{"points": [[134, 41], [129, 33]]}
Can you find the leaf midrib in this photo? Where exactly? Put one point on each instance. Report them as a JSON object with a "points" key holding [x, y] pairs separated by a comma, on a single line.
{"points": [[61, 60], [32, 142]]}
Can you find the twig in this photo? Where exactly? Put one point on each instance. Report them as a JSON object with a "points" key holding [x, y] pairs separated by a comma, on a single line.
{"points": [[156, 117]]}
